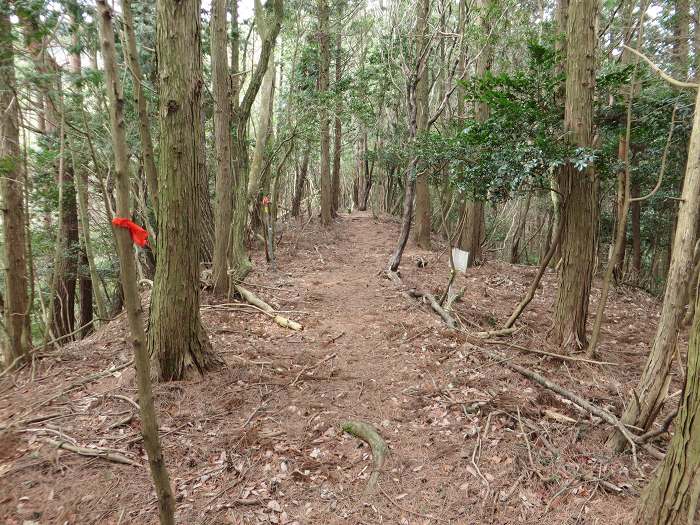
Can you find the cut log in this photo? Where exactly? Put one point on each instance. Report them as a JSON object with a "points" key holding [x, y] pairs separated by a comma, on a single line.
{"points": [[253, 299]]}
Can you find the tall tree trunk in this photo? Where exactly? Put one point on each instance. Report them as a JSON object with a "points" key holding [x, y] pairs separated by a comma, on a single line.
{"points": [[338, 133], [132, 56], [671, 497], [651, 391], [149, 422], [177, 340], [263, 129], [221, 84], [268, 21], [579, 188], [206, 240], [422, 231], [681, 29], [323, 74], [300, 182], [66, 258], [85, 289], [14, 241], [635, 206], [81, 183], [472, 235]]}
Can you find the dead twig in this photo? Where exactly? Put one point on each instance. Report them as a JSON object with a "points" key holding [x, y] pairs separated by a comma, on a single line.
{"points": [[312, 367]]}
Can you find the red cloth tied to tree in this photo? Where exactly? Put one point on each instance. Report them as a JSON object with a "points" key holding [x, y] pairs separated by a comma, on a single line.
{"points": [[139, 236]]}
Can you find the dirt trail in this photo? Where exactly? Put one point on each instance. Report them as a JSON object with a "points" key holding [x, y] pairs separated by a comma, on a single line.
{"points": [[259, 442]]}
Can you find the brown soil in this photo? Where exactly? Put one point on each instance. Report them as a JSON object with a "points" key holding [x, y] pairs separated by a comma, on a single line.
{"points": [[260, 441]]}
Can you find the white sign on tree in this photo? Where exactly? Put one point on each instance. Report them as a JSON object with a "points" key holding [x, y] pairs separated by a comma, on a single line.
{"points": [[460, 258]]}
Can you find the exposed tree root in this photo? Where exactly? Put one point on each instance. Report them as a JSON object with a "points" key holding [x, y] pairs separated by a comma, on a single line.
{"points": [[380, 450], [496, 333], [91, 452], [253, 299]]}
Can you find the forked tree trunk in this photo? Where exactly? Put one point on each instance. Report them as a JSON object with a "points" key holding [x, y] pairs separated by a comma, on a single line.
{"points": [[222, 144], [323, 74], [16, 300], [268, 21], [177, 341], [671, 497], [149, 422], [579, 188], [647, 398]]}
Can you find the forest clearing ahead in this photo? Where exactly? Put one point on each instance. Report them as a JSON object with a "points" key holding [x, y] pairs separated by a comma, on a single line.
{"points": [[260, 441]]}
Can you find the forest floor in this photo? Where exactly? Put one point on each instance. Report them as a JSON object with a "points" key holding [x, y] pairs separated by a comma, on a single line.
{"points": [[259, 441]]}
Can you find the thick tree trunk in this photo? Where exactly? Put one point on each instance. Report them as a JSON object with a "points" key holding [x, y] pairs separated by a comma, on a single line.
{"points": [[177, 341], [222, 143], [338, 128], [16, 301], [422, 219], [672, 495], [647, 398], [473, 225], [472, 234], [324, 70], [579, 188], [149, 422]]}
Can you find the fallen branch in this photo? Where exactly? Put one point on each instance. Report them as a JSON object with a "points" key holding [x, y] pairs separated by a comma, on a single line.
{"points": [[312, 367], [551, 354], [380, 450], [571, 396], [419, 294], [92, 452], [449, 320], [254, 300], [496, 333]]}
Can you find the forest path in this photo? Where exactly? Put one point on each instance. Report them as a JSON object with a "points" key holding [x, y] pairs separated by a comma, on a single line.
{"points": [[259, 441]]}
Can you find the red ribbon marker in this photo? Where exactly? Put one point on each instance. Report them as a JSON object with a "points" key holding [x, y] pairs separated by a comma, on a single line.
{"points": [[139, 236]]}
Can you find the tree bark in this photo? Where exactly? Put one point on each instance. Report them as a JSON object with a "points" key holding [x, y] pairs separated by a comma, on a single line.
{"points": [[149, 423], [473, 225], [579, 188], [221, 90], [324, 70], [672, 495], [299, 183], [132, 57], [90, 283], [16, 301], [422, 219], [653, 385], [338, 127], [177, 340]]}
